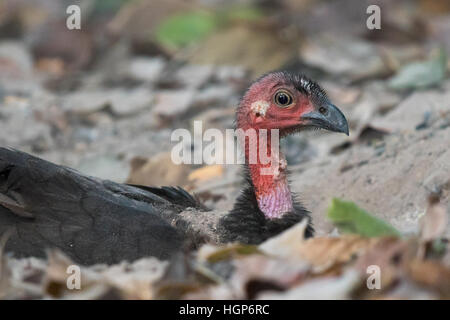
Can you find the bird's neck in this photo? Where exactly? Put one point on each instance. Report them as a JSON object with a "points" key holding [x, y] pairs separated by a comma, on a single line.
{"points": [[269, 179]]}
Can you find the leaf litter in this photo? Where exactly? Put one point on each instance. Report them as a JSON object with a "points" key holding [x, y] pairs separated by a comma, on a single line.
{"points": [[287, 266]]}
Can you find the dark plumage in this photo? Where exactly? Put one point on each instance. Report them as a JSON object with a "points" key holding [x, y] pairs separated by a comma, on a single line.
{"points": [[246, 223], [98, 221], [45, 205]]}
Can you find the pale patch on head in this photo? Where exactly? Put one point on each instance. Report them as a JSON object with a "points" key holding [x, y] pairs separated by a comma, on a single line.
{"points": [[260, 107], [305, 83]]}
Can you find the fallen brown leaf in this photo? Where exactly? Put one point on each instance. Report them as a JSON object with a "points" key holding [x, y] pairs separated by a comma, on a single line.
{"points": [[431, 274], [158, 171], [321, 252], [206, 173], [434, 223]]}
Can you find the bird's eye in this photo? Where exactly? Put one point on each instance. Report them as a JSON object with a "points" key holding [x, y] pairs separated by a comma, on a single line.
{"points": [[283, 99]]}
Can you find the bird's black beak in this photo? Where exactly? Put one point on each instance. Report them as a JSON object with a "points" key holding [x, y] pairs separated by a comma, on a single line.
{"points": [[328, 117]]}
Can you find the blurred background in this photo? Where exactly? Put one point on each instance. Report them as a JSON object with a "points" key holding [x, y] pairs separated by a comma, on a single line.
{"points": [[105, 99]]}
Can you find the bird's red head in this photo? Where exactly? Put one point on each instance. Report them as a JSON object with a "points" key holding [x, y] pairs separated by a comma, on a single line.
{"points": [[288, 102]]}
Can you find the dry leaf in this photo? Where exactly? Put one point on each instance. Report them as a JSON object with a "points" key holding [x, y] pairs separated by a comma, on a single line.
{"points": [[434, 223], [431, 274], [288, 243], [135, 280], [206, 173], [158, 171], [321, 252], [391, 255], [54, 66], [5, 272], [324, 252], [336, 288], [55, 282]]}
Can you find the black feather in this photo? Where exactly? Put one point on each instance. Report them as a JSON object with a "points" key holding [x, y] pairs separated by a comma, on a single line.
{"points": [[246, 223], [175, 195]]}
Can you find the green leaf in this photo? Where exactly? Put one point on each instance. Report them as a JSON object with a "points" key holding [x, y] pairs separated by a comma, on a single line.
{"points": [[421, 74], [243, 13], [349, 218], [184, 29]]}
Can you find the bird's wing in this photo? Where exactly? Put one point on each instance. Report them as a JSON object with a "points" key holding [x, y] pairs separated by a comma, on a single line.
{"points": [[92, 220], [175, 195]]}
